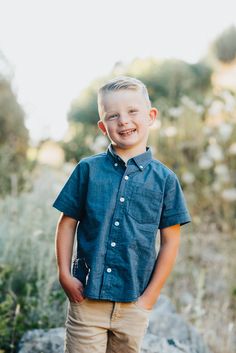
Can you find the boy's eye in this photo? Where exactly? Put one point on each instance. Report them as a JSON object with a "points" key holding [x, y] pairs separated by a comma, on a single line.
{"points": [[113, 116], [132, 111]]}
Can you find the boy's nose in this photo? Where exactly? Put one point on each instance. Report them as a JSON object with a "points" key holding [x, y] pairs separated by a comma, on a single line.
{"points": [[123, 119]]}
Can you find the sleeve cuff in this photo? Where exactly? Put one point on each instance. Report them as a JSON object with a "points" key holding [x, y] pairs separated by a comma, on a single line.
{"points": [[66, 210], [181, 219]]}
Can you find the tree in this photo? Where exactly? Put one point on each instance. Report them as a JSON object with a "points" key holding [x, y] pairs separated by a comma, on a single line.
{"points": [[224, 46], [14, 138]]}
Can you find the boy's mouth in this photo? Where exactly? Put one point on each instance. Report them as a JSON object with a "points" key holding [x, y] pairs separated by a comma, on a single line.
{"points": [[127, 132]]}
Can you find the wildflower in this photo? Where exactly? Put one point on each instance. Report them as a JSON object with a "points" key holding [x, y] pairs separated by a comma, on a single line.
{"points": [[232, 148], [221, 169], [225, 130], [230, 102], [222, 172], [170, 131], [214, 151], [216, 186], [175, 112], [205, 162], [216, 108], [207, 130], [188, 177], [229, 194]]}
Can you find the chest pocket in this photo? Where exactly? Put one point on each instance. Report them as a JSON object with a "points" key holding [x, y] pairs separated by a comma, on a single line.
{"points": [[144, 204]]}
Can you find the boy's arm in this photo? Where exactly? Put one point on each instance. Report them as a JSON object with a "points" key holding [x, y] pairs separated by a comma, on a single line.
{"points": [[170, 239], [64, 241]]}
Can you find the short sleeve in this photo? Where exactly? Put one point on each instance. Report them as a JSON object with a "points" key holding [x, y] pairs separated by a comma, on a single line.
{"points": [[70, 200], [174, 210]]}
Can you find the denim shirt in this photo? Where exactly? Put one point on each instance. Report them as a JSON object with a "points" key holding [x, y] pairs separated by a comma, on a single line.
{"points": [[120, 208]]}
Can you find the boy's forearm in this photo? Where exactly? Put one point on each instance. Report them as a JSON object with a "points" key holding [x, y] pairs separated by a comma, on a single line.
{"points": [[64, 241], [163, 267]]}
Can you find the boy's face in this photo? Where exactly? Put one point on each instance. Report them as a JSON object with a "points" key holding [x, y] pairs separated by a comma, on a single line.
{"points": [[125, 118]]}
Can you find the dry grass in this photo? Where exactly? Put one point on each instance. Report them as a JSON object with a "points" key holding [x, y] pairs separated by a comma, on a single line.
{"points": [[202, 285]]}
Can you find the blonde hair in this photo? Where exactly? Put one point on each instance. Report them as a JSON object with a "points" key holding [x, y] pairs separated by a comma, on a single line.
{"points": [[123, 82]]}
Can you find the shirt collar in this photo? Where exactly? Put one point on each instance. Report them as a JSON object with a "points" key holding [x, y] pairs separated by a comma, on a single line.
{"points": [[141, 160]]}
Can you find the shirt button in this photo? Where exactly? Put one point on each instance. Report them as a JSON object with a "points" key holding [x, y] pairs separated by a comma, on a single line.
{"points": [[113, 244], [122, 199], [117, 223], [126, 177], [115, 164], [109, 269], [141, 167]]}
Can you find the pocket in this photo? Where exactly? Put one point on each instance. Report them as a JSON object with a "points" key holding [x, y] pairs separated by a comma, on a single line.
{"points": [[144, 204], [78, 303], [141, 308]]}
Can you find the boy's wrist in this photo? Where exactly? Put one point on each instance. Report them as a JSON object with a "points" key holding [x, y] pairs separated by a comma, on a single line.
{"points": [[151, 295], [63, 275]]}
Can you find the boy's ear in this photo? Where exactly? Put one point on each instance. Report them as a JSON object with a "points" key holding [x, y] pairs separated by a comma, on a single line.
{"points": [[153, 113], [102, 127]]}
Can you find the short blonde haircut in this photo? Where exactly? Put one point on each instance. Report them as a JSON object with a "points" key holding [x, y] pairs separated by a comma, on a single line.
{"points": [[123, 82]]}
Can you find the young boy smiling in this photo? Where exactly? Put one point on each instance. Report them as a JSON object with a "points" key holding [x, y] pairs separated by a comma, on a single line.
{"points": [[117, 200]]}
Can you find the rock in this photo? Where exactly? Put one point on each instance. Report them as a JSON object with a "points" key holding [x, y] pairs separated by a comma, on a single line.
{"points": [[42, 341], [167, 332]]}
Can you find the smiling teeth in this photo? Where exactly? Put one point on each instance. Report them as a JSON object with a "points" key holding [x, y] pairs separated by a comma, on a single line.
{"points": [[128, 132]]}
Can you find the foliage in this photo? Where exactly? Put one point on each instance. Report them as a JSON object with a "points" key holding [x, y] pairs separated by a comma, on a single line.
{"points": [[224, 46], [80, 141], [169, 80], [30, 294], [166, 81], [203, 140], [13, 140]]}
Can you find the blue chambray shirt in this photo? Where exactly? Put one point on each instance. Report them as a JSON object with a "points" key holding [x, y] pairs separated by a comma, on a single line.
{"points": [[120, 208]]}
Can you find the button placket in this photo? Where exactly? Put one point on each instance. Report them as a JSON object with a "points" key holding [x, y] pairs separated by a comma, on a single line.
{"points": [[112, 247]]}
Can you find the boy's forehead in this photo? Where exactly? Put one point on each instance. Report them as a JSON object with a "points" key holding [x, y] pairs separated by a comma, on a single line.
{"points": [[123, 96]]}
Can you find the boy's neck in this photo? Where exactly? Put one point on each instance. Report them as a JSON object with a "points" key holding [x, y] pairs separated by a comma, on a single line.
{"points": [[126, 154]]}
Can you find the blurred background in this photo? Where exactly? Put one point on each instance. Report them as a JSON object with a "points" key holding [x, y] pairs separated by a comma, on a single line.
{"points": [[53, 57]]}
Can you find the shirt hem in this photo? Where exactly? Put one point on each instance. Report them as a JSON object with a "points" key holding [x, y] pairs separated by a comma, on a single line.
{"points": [[110, 298]]}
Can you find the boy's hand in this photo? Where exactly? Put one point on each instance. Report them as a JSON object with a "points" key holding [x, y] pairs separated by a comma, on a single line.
{"points": [[146, 302], [73, 288]]}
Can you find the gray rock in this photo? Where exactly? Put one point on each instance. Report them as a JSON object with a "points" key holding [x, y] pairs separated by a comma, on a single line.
{"points": [[167, 332], [152, 344], [42, 341]]}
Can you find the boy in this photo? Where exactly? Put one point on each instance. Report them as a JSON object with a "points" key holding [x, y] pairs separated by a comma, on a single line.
{"points": [[118, 199]]}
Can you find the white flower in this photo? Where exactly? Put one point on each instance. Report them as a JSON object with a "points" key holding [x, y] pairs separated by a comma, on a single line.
{"points": [[225, 130], [216, 108], [232, 148], [221, 169], [216, 186], [199, 109], [170, 131], [188, 177], [214, 151], [207, 130], [229, 194], [205, 162], [189, 103], [230, 102], [222, 172], [175, 111]]}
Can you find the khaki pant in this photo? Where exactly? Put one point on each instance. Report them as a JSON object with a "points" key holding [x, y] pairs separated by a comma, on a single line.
{"points": [[102, 326]]}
